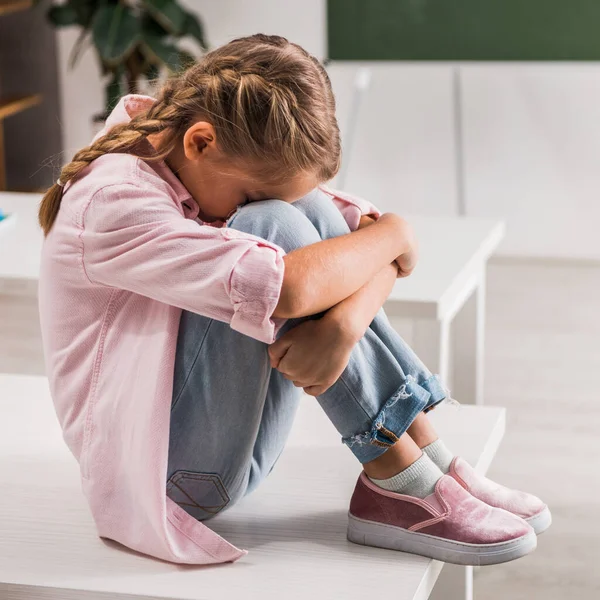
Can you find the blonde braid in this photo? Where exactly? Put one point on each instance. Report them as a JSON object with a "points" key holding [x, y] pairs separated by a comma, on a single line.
{"points": [[269, 101], [120, 139]]}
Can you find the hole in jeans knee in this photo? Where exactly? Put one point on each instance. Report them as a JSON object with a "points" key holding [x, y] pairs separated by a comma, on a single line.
{"points": [[201, 495]]}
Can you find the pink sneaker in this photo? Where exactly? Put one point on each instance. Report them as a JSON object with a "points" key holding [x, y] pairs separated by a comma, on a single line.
{"points": [[449, 525], [526, 506]]}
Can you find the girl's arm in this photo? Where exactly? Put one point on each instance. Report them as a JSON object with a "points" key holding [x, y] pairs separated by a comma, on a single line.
{"points": [[324, 274], [354, 314], [133, 238], [314, 354]]}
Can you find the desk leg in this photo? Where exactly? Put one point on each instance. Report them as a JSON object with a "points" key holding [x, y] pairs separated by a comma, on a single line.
{"points": [[431, 342], [468, 331], [454, 583]]}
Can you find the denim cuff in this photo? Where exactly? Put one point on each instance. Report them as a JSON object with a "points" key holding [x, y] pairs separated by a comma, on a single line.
{"points": [[392, 421], [438, 392]]}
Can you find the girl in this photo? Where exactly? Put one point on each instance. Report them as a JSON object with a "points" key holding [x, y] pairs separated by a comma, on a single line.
{"points": [[196, 277]]}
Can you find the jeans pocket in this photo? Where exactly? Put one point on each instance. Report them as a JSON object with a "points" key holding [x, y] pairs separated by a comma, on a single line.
{"points": [[201, 495]]}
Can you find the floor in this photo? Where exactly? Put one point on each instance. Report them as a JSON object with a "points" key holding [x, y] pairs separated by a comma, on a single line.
{"points": [[543, 363]]}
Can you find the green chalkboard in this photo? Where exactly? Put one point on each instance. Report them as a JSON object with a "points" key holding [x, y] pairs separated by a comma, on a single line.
{"points": [[463, 29]]}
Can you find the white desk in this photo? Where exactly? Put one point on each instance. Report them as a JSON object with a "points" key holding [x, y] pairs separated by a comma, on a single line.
{"points": [[448, 287], [449, 282], [294, 526], [7, 223], [21, 242]]}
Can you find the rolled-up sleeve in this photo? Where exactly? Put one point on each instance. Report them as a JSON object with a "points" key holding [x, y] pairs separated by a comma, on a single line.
{"points": [[352, 207], [254, 290], [135, 238]]}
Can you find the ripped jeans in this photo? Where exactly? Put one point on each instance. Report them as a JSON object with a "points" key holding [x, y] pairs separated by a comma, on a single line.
{"points": [[231, 412]]}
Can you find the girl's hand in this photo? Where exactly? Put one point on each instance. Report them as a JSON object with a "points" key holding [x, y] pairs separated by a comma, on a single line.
{"points": [[406, 262], [314, 354]]}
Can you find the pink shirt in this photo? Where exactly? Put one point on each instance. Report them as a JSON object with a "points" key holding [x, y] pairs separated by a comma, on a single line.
{"points": [[125, 255]]}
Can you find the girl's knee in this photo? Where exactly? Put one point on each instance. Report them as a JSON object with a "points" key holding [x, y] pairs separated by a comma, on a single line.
{"points": [[276, 221], [321, 211]]}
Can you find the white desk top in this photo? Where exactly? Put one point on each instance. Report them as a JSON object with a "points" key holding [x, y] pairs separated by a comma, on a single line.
{"points": [[295, 534], [453, 250]]}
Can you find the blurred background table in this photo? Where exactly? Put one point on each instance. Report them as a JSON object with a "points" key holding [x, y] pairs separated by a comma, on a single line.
{"points": [[445, 299]]}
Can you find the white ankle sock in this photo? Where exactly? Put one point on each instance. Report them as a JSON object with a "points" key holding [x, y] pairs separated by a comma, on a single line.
{"points": [[439, 454], [417, 480]]}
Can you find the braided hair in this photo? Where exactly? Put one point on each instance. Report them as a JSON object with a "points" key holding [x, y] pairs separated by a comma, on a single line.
{"points": [[268, 99]]}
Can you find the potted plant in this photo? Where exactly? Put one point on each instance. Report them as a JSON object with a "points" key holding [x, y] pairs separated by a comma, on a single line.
{"points": [[134, 39]]}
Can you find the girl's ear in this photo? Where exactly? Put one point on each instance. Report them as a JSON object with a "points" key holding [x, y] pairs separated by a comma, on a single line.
{"points": [[199, 140]]}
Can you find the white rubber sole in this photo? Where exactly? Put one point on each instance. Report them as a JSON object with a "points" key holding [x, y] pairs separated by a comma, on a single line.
{"points": [[541, 521], [370, 533]]}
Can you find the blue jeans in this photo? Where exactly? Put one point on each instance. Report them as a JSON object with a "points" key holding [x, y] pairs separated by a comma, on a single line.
{"points": [[232, 413]]}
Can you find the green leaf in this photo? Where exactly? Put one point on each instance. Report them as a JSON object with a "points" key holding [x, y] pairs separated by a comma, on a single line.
{"points": [[63, 16], [86, 9], [105, 69], [151, 27], [168, 13], [116, 31], [74, 12], [78, 48], [152, 73], [195, 29], [114, 90], [162, 52]]}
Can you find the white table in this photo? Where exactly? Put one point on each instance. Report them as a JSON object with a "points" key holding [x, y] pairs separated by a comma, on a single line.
{"points": [[294, 525], [21, 242], [448, 288], [7, 222]]}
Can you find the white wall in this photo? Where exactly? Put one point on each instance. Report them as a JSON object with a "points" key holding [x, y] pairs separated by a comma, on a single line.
{"points": [[403, 155], [532, 147], [81, 94]]}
